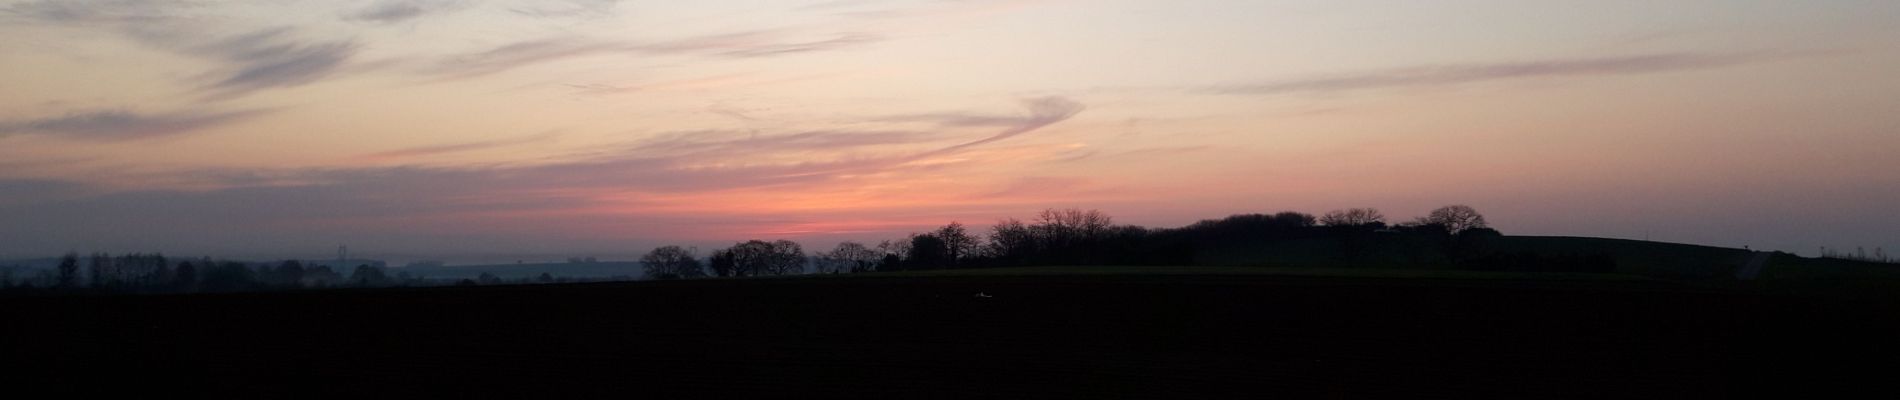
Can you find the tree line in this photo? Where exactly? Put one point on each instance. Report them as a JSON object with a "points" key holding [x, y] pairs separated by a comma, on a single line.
{"points": [[1451, 235], [155, 273], [1456, 236]]}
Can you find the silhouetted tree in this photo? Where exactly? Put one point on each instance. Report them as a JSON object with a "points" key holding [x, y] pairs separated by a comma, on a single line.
{"points": [[750, 258], [788, 258], [99, 269], [927, 252], [544, 278], [488, 279], [1473, 244], [369, 276], [672, 262], [723, 263], [758, 257], [899, 247], [1354, 217], [68, 277], [848, 257], [957, 243], [227, 276], [185, 278], [141, 271], [287, 274], [825, 263], [1011, 242], [321, 276], [1294, 219], [1455, 218], [1066, 228]]}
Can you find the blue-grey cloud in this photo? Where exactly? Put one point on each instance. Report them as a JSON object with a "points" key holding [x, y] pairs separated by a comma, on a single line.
{"points": [[749, 44], [93, 11], [425, 151], [256, 60], [566, 8], [15, 192], [271, 58], [109, 125], [1472, 73], [393, 11]]}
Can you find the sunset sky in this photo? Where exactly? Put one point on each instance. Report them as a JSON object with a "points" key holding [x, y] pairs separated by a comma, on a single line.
{"points": [[446, 128]]}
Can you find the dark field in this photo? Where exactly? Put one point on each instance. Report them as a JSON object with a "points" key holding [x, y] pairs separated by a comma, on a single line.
{"points": [[1097, 336]]}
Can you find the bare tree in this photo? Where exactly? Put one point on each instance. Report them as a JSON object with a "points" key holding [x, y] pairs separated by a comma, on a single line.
{"points": [[788, 258], [1456, 218], [898, 247], [1353, 217], [99, 269], [750, 257], [1295, 219], [1011, 240], [723, 263], [672, 262], [289, 274], [847, 257], [364, 275], [1069, 226], [957, 242], [68, 277], [758, 257]]}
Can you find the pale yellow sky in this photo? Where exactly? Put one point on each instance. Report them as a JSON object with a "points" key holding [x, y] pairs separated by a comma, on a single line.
{"points": [[589, 125]]}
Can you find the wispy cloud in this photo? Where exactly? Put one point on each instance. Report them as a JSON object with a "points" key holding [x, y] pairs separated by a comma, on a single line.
{"points": [[424, 151], [602, 89], [1043, 111], [834, 5], [757, 43], [734, 143], [749, 44], [270, 58], [255, 60], [956, 119], [1437, 75], [706, 83], [666, 182], [110, 125], [841, 41], [94, 11], [519, 54], [1038, 186], [393, 11], [565, 8]]}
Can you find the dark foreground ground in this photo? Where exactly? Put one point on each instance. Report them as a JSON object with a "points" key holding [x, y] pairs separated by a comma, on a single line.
{"points": [[1036, 336]]}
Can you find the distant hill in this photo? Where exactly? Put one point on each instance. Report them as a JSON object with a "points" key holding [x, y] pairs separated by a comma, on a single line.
{"points": [[1633, 257], [1638, 257]]}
